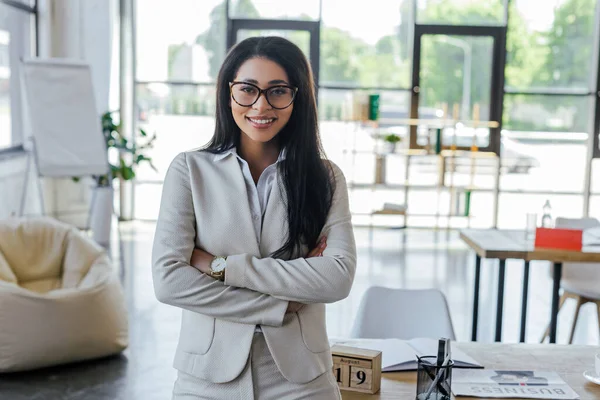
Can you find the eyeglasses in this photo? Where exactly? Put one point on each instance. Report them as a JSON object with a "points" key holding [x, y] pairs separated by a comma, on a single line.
{"points": [[246, 94]]}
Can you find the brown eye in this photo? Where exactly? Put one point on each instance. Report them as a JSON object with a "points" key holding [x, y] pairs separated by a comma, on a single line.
{"points": [[247, 89]]}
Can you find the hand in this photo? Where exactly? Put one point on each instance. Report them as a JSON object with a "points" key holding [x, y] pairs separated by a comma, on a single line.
{"points": [[201, 260], [293, 307], [318, 250]]}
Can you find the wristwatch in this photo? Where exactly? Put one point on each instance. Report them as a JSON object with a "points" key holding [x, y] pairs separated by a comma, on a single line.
{"points": [[217, 268]]}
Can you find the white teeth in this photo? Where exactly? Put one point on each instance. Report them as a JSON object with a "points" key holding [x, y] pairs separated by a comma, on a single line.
{"points": [[261, 121]]}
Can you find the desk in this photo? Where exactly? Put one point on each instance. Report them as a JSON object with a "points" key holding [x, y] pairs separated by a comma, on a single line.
{"points": [[504, 244], [568, 361]]}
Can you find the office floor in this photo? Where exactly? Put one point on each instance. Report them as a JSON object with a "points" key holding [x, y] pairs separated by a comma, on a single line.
{"points": [[394, 258]]}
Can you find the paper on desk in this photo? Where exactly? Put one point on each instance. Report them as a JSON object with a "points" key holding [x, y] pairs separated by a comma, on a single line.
{"points": [[591, 237], [511, 384]]}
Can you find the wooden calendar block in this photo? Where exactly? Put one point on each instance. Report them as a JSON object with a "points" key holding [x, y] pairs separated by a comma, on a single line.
{"points": [[357, 370], [342, 375], [361, 378]]}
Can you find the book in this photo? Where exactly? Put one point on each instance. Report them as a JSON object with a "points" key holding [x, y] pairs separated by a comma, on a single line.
{"points": [[401, 355], [511, 384]]}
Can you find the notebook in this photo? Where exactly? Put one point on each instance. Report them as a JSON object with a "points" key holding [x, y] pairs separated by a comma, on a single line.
{"points": [[401, 355]]}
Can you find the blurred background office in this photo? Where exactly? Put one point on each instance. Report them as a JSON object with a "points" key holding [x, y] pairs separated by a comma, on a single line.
{"points": [[505, 95]]}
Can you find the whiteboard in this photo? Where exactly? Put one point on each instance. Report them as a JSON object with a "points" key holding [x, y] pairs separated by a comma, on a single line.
{"points": [[60, 115]]}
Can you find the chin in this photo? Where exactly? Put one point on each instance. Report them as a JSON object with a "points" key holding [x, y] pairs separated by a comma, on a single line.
{"points": [[260, 135]]}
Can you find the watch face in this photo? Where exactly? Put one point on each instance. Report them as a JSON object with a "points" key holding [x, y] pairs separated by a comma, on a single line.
{"points": [[218, 264]]}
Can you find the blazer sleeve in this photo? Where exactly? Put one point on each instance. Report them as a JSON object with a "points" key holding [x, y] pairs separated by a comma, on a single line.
{"points": [[325, 279], [179, 284]]}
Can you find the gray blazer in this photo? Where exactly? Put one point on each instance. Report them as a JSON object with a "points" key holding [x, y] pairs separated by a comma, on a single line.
{"points": [[204, 205]]}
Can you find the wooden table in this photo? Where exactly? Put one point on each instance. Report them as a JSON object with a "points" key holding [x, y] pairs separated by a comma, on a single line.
{"points": [[504, 244], [569, 361]]}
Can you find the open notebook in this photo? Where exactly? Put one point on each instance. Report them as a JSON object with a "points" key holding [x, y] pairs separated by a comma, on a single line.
{"points": [[401, 355]]}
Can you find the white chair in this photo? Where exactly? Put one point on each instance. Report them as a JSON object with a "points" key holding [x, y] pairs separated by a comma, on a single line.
{"points": [[386, 313], [580, 281]]}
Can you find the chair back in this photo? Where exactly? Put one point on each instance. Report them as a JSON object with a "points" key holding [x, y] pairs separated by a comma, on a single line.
{"points": [[386, 313]]}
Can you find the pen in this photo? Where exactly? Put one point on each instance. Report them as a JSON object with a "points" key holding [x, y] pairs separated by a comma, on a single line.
{"points": [[437, 378]]}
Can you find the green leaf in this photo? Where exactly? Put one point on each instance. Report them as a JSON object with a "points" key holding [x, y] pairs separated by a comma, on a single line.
{"points": [[128, 173]]}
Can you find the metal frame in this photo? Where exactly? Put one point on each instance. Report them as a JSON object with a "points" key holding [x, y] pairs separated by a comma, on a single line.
{"points": [[127, 100], [313, 28], [21, 6], [596, 126], [498, 34]]}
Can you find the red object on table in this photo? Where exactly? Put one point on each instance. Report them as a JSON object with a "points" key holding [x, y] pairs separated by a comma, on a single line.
{"points": [[563, 239]]}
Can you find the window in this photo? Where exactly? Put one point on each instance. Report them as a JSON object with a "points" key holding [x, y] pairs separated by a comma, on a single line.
{"points": [[367, 45], [184, 41], [306, 10], [15, 43], [5, 120], [550, 45], [460, 12], [182, 116]]}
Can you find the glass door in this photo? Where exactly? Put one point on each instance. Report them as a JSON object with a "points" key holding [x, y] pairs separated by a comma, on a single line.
{"points": [[457, 83]]}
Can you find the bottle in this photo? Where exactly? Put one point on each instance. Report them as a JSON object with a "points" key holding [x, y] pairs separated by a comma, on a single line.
{"points": [[547, 215]]}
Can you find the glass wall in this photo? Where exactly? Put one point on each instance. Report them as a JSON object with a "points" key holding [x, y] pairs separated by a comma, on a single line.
{"points": [[460, 12], [16, 37], [548, 107], [548, 101]]}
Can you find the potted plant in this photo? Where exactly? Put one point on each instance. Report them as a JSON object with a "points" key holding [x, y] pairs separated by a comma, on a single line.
{"points": [[391, 139], [129, 154]]}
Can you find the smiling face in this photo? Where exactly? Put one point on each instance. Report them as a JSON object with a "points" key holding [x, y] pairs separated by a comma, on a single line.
{"points": [[260, 122]]}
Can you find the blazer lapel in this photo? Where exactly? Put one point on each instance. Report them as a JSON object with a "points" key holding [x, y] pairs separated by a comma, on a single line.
{"points": [[244, 227], [274, 227]]}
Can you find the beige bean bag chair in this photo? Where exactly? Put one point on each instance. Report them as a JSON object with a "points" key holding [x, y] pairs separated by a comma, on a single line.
{"points": [[60, 299]]}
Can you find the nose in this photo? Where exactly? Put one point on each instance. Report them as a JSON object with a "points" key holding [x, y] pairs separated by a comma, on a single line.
{"points": [[262, 103]]}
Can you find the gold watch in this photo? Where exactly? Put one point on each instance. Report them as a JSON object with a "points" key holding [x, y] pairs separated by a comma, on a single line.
{"points": [[217, 268]]}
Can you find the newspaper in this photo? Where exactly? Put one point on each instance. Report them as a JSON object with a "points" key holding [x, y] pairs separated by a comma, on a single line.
{"points": [[511, 384]]}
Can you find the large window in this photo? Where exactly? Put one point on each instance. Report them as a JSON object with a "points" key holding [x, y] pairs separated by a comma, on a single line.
{"points": [[16, 34], [550, 45], [549, 98], [460, 12], [182, 40], [367, 45], [548, 105], [275, 9]]}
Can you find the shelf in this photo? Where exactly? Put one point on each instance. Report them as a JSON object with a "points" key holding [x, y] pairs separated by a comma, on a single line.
{"points": [[396, 209], [400, 152], [398, 186], [422, 152], [418, 215]]}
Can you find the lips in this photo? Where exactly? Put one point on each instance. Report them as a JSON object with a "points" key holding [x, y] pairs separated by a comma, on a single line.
{"points": [[261, 122]]}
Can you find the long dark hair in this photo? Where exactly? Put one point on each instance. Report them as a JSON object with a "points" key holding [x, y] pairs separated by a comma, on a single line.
{"points": [[307, 178]]}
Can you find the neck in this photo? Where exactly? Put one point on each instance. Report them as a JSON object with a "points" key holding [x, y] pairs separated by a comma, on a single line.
{"points": [[258, 155]]}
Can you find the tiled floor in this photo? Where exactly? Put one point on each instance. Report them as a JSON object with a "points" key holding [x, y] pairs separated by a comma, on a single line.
{"points": [[393, 258]]}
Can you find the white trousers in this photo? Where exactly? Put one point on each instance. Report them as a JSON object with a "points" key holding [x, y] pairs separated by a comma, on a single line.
{"points": [[260, 380]]}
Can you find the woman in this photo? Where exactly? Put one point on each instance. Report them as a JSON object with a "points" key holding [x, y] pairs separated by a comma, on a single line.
{"points": [[236, 223]]}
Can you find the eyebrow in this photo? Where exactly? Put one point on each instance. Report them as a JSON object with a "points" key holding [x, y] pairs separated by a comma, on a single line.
{"points": [[273, 82]]}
